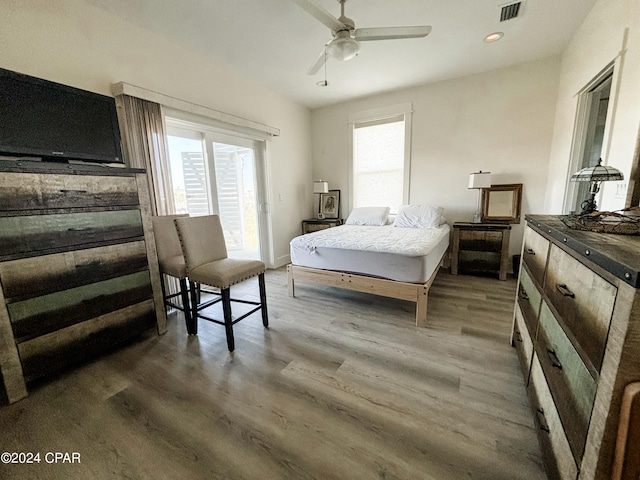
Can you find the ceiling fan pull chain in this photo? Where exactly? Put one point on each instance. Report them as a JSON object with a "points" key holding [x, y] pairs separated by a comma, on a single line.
{"points": [[325, 82]]}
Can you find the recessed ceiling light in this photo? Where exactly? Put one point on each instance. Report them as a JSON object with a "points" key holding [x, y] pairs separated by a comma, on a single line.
{"points": [[493, 37]]}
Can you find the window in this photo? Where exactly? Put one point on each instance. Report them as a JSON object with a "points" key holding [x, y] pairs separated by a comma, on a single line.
{"points": [[380, 163], [590, 141]]}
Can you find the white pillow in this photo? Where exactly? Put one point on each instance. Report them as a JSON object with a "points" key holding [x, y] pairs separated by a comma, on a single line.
{"points": [[419, 216], [372, 216]]}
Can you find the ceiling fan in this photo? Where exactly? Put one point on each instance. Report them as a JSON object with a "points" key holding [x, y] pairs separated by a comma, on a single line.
{"points": [[346, 37]]}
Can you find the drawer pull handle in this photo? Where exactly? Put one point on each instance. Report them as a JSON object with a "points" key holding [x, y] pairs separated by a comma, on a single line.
{"points": [[541, 420], [79, 229], [516, 335], [562, 288], [530, 251], [554, 359], [73, 191]]}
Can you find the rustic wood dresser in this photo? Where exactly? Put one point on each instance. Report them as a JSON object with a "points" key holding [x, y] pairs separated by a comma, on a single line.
{"points": [[577, 332], [78, 266]]}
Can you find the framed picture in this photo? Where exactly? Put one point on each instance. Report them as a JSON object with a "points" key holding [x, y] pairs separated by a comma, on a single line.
{"points": [[502, 203], [330, 204]]}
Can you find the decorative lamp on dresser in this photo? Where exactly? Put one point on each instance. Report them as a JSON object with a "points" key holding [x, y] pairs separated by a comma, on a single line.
{"points": [[78, 266], [577, 333]]}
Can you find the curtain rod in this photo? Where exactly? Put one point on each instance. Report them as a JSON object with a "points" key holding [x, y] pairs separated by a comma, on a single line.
{"points": [[122, 88]]}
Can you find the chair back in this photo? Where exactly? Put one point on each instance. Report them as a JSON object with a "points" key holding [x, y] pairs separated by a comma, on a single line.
{"points": [[202, 240], [166, 235]]}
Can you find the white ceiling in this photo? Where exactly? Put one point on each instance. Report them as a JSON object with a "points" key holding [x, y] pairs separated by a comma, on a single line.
{"points": [[274, 42]]}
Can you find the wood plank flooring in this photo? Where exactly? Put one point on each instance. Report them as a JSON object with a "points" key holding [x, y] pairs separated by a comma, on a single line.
{"points": [[341, 386]]}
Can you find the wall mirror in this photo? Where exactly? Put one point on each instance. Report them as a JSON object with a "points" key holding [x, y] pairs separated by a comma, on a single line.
{"points": [[502, 203]]}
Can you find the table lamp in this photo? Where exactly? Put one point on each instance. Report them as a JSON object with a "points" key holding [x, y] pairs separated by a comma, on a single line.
{"points": [[479, 180], [319, 187], [596, 175]]}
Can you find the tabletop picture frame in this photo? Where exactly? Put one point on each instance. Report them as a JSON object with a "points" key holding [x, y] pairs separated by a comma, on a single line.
{"points": [[330, 204]]}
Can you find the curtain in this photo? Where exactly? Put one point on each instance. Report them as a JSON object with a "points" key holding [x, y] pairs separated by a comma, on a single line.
{"points": [[144, 147]]}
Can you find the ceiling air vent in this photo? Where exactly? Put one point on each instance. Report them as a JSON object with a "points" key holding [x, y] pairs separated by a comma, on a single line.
{"points": [[510, 11]]}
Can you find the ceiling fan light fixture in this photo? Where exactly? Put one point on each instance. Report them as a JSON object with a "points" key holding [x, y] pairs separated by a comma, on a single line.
{"points": [[343, 47]]}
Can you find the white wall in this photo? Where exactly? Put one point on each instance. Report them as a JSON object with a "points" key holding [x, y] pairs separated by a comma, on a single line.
{"points": [[74, 43], [598, 42], [500, 121]]}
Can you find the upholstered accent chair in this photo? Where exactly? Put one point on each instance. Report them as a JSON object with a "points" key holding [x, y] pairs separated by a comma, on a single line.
{"points": [[207, 263], [171, 262]]}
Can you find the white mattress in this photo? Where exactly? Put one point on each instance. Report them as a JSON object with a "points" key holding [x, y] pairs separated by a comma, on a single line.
{"points": [[402, 254]]}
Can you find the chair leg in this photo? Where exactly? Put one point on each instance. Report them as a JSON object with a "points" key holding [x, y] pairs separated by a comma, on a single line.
{"points": [[199, 288], [263, 300], [184, 292], [164, 291], [192, 324], [228, 326]]}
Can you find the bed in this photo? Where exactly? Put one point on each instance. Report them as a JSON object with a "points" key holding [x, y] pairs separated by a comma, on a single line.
{"points": [[383, 259]]}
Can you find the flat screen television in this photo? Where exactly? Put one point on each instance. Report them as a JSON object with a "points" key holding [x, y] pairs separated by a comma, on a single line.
{"points": [[39, 118]]}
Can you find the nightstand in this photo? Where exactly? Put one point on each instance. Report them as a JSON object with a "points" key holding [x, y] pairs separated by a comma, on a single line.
{"points": [[480, 247], [313, 225]]}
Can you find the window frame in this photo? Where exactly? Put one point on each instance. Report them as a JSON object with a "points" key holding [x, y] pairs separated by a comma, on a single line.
{"points": [[212, 130], [582, 127], [381, 114]]}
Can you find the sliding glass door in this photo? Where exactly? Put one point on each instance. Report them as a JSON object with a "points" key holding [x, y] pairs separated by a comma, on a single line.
{"points": [[218, 173], [237, 194]]}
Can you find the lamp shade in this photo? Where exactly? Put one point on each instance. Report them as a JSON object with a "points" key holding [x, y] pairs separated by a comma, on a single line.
{"points": [[599, 173], [320, 187], [480, 180]]}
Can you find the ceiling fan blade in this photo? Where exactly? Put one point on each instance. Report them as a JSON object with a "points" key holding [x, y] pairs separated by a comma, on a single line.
{"points": [[321, 14], [317, 65], [390, 33]]}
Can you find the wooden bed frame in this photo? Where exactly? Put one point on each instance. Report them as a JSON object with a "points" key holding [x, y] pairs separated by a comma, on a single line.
{"points": [[413, 292]]}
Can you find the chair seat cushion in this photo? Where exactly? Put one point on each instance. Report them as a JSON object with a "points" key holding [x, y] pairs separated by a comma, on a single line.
{"points": [[226, 272], [174, 266]]}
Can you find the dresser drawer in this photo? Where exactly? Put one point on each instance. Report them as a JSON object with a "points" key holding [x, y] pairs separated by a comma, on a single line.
{"points": [[534, 254], [529, 299], [481, 241], [584, 301], [34, 276], [572, 386], [32, 191], [32, 235], [48, 353], [553, 441], [47, 313], [523, 343]]}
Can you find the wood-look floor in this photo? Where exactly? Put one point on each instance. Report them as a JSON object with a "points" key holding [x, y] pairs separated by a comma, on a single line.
{"points": [[341, 386]]}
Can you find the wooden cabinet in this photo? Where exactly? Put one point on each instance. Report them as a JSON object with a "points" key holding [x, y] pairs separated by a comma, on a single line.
{"points": [[480, 247], [577, 332], [78, 267], [314, 225]]}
